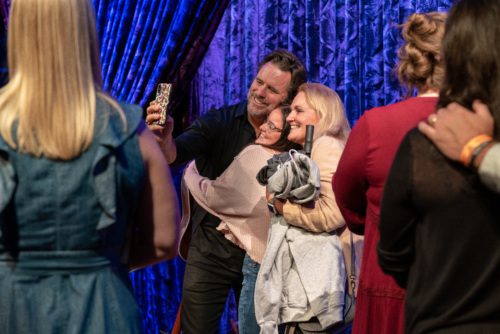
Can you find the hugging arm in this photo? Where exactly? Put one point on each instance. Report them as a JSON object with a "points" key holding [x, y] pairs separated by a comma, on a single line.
{"points": [[236, 191], [323, 214]]}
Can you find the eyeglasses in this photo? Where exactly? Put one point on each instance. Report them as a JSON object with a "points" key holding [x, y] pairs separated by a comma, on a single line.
{"points": [[273, 127]]}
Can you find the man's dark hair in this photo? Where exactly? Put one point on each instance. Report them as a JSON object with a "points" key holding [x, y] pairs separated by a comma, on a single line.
{"points": [[283, 144], [288, 62], [471, 47]]}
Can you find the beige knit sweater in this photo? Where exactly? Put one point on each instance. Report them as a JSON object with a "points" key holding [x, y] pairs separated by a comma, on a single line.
{"points": [[237, 199]]}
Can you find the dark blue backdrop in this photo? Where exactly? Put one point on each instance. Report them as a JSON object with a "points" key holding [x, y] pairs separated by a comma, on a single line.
{"points": [[349, 45]]}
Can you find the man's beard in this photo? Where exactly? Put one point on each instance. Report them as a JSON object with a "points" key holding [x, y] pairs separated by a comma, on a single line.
{"points": [[255, 111]]}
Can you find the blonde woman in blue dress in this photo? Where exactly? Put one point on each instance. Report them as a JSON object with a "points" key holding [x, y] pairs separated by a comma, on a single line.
{"points": [[80, 174]]}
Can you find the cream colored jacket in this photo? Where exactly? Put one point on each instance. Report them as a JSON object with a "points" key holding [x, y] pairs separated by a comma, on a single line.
{"points": [[324, 215]]}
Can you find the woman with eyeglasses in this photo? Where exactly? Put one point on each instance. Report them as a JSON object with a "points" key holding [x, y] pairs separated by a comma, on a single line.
{"points": [[239, 201]]}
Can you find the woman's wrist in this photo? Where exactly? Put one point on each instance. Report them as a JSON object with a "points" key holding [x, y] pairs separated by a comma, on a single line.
{"points": [[473, 149], [476, 163], [275, 205]]}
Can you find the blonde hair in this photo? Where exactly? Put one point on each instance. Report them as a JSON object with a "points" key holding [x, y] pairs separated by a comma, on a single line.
{"points": [[420, 62], [329, 109], [55, 76]]}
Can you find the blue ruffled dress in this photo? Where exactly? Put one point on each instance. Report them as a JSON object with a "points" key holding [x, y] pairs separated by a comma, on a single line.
{"points": [[64, 227]]}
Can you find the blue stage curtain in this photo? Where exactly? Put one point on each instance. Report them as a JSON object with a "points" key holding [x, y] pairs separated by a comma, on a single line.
{"points": [[4, 12], [348, 45], [144, 42], [147, 41]]}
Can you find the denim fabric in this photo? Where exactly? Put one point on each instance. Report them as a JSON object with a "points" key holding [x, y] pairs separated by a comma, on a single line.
{"points": [[246, 308], [63, 231], [7, 177]]}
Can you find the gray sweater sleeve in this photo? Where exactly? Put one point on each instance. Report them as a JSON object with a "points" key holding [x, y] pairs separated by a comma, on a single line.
{"points": [[489, 171]]}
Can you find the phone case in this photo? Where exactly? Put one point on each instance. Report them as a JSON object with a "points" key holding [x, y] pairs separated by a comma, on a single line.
{"points": [[163, 98]]}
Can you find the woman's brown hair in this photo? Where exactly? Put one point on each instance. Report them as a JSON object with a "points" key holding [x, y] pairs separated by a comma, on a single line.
{"points": [[471, 47], [420, 63]]}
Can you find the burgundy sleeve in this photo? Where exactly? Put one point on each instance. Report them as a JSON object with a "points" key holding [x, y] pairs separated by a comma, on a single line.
{"points": [[349, 182]]}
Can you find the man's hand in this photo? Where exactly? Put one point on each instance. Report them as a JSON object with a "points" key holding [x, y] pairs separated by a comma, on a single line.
{"points": [[452, 127], [162, 133]]}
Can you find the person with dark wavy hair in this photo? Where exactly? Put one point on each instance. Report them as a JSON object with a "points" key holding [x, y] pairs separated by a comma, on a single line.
{"points": [[439, 230], [359, 181]]}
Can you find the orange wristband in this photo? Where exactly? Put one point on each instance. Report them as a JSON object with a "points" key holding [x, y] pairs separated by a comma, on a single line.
{"points": [[470, 146]]}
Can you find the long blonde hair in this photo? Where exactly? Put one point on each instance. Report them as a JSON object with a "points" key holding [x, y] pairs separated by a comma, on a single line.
{"points": [[55, 76], [330, 110]]}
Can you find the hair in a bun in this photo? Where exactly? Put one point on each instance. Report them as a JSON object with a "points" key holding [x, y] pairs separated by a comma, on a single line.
{"points": [[420, 62]]}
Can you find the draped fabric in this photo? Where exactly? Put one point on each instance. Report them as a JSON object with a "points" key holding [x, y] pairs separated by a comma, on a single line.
{"points": [[348, 45], [4, 12], [145, 42], [4, 9]]}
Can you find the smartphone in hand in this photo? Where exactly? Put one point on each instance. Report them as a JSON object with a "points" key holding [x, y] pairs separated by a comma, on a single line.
{"points": [[162, 99]]}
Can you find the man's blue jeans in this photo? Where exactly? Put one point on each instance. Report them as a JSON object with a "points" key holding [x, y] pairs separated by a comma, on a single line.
{"points": [[247, 324]]}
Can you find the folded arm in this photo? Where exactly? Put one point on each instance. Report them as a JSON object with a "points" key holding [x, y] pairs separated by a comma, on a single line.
{"points": [[236, 192]]}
